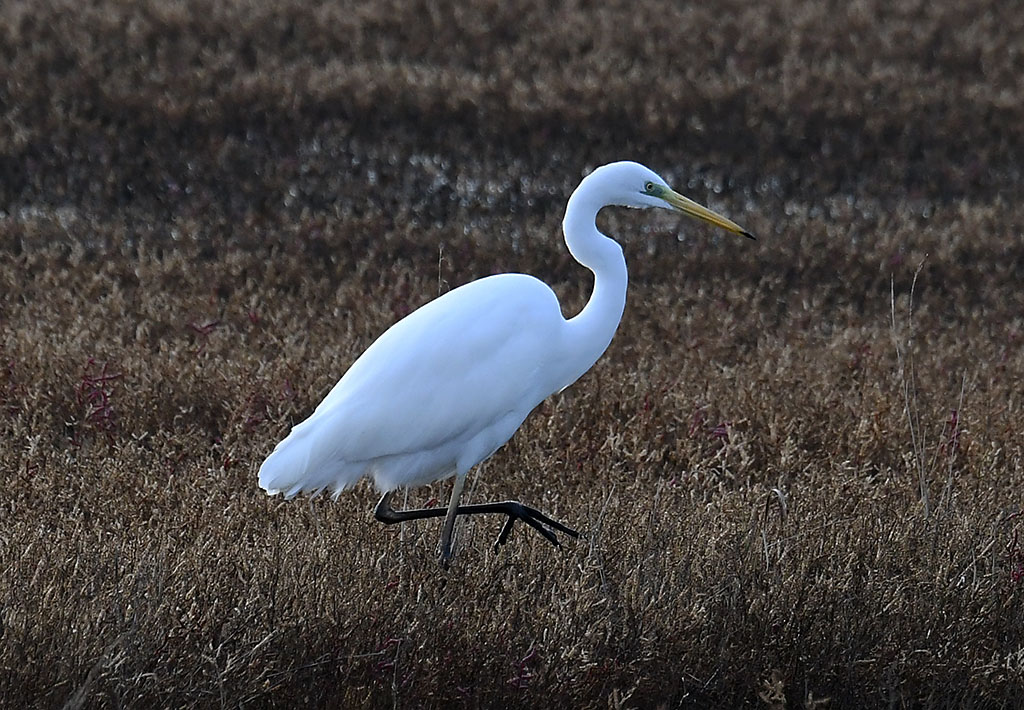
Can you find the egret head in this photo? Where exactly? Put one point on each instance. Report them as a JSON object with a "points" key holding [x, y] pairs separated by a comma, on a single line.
{"points": [[630, 184]]}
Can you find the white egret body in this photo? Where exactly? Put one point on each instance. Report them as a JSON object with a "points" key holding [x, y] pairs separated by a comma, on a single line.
{"points": [[445, 387]]}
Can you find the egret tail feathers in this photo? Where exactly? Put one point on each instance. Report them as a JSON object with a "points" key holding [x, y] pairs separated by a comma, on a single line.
{"points": [[302, 463]]}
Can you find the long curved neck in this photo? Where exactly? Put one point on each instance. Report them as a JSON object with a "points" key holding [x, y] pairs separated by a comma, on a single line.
{"points": [[591, 331]]}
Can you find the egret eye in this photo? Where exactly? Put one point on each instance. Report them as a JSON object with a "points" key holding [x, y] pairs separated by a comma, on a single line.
{"points": [[648, 187]]}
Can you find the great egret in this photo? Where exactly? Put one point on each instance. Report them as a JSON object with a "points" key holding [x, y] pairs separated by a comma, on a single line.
{"points": [[446, 386]]}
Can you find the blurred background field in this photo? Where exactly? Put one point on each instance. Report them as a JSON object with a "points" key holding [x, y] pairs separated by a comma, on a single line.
{"points": [[799, 466]]}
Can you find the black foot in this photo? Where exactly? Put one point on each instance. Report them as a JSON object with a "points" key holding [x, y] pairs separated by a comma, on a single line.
{"points": [[513, 509], [532, 517]]}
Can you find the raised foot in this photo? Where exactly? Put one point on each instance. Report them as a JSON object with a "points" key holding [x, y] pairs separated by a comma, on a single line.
{"points": [[514, 510], [532, 517]]}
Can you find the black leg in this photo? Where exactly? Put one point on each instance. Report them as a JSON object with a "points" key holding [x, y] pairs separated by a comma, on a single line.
{"points": [[389, 516], [513, 509]]}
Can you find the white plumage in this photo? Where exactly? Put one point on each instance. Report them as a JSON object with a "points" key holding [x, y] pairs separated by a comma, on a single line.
{"points": [[445, 387], [389, 419]]}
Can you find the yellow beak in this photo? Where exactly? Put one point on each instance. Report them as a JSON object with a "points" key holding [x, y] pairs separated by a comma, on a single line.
{"points": [[691, 208]]}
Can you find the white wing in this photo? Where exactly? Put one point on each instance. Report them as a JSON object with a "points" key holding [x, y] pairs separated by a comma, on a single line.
{"points": [[479, 355]]}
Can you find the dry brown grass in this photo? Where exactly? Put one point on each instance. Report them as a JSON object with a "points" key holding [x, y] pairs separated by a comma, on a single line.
{"points": [[210, 208]]}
